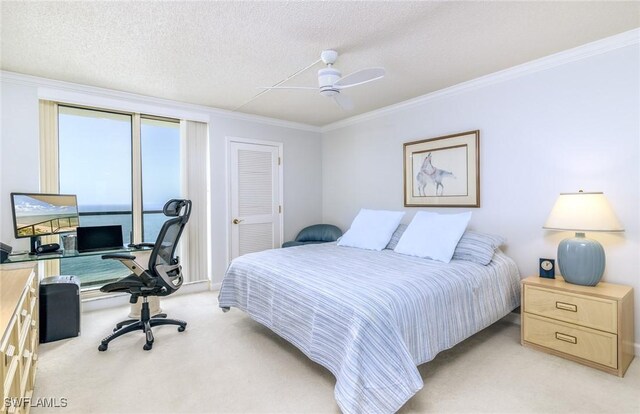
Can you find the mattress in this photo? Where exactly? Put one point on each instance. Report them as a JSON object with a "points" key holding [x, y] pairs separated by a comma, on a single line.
{"points": [[370, 317]]}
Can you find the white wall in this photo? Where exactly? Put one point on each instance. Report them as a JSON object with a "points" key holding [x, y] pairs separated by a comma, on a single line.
{"points": [[19, 165], [19, 156], [570, 127]]}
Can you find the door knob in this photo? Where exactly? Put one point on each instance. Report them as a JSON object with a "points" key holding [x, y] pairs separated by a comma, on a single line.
{"points": [[236, 221]]}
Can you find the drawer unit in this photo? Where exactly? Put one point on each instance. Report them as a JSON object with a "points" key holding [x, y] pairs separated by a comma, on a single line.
{"points": [[591, 312], [19, 342], [597, 346], [592, 325]]}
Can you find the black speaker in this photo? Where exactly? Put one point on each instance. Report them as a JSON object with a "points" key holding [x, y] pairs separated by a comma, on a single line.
{"points": [[5, 251], [59, 308], [47, 248]]}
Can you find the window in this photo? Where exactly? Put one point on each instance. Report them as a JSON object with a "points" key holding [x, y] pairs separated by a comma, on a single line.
{"points": [[97, 161], [160, 148]]}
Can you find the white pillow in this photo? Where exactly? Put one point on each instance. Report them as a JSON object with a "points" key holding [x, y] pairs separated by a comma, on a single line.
{"points": [[433, 235], [371, 229]]}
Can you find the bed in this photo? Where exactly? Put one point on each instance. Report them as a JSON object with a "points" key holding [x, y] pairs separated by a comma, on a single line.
{"points": [[370, 317]]}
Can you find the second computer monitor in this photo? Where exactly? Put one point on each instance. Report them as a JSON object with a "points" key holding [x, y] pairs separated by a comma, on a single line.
{"points": [[92, 238]]}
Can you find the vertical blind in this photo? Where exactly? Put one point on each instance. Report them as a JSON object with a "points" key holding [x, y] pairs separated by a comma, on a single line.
{"points": [[195, 175], [49, 167]]}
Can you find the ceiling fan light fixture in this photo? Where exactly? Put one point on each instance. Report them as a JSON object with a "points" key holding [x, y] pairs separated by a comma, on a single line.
{"points": [[328, 76], [328, 91]]}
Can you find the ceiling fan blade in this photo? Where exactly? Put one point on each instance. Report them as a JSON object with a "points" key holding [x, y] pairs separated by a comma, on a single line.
{"points": [[359, 77], [343, 101], [315, 88]]}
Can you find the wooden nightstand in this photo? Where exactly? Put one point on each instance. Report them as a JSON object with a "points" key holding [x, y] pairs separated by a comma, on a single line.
{"points": [[592, 325]]}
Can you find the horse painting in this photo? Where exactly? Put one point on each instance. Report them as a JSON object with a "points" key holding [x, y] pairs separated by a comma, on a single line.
{"points": [[430, 174]]}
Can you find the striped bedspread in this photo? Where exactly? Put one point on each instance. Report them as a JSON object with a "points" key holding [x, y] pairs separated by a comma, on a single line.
{"points": [[370, 317]]}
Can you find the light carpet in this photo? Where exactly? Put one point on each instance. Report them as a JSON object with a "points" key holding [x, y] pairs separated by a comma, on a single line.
{"points": [[227, 363]]}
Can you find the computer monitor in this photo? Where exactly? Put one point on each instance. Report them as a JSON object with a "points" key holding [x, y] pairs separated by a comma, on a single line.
{"points": [[92, 238], [36, 215]]}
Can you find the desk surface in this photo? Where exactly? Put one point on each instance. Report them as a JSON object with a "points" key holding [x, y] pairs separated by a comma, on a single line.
{"points": [[12, 284], [68, 255]]}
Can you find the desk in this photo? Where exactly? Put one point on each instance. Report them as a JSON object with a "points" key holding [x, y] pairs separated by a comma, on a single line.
{"points": [[21, 258], [154, 302]]}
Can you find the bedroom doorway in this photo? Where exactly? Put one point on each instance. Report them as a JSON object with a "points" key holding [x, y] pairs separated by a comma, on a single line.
{"points": [[255, 195]]}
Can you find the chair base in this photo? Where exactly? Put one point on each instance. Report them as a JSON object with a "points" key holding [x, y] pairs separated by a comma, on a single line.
{"points": [[145, 323]]}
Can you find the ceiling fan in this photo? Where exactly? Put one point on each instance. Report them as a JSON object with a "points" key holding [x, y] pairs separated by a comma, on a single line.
{"points": [[331, 82]]}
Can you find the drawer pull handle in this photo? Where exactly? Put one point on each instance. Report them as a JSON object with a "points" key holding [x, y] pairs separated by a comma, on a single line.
{"points": [[567, 306], [10, 350], [566, 338]]}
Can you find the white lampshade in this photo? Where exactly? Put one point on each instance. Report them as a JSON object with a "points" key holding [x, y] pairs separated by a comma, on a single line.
{"points": [[583, 212]]}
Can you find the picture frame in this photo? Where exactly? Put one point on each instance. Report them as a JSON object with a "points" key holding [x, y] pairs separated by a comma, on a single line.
{"points": [[443, 171]]}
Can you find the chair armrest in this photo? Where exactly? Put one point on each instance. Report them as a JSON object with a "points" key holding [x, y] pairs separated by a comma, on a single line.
{"points": [[141, 245], [129, 261], [118, 256]]}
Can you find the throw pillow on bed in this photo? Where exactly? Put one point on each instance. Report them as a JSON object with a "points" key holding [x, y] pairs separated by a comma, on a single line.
{"points": [[371, 229], [474, 246], [433, 235], [477, 247], [396, 236]]}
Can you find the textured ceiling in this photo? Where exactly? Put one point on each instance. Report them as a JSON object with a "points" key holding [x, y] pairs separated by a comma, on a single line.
{"points": [[217, 53]]}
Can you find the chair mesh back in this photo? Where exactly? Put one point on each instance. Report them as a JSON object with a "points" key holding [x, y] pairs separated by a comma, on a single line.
{"points": [[166, 246], [163, 253]]}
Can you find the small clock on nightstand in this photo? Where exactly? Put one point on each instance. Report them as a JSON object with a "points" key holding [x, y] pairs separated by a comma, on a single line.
{"points": [[548, 268]]}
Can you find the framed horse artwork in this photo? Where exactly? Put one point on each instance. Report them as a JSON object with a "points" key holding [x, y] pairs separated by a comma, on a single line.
{"points": [[443, 171]]}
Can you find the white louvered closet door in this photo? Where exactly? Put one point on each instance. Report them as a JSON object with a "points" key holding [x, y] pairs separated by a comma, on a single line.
{"points": [[255, 195]]}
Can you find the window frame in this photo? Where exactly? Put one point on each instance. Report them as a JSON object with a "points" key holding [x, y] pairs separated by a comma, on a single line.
{"points": [[137, 207]]}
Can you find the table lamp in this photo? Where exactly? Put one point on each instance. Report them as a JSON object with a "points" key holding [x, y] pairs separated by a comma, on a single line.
{"points": [[581, 260]]}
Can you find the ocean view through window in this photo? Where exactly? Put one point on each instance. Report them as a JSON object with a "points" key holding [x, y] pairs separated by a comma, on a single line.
{"points": [[96, 162], [160, 153]]}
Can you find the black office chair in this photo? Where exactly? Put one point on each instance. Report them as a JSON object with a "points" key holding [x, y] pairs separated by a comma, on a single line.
{"points": [[162, 278]]}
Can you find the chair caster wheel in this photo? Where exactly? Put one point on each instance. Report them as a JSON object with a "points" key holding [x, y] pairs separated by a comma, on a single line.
{"points": [[181, 328], [147, 347], [103, 347]]}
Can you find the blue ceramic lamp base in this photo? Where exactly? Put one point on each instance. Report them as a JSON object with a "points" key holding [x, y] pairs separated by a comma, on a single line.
{"points": [[581, 260]]}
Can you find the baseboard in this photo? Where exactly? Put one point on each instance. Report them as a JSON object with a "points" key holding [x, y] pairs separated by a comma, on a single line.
{"points": [[104, 302], [512, 317], [120, 300], [194, 287]]}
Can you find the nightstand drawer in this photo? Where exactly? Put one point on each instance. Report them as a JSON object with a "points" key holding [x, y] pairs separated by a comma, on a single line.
{"points": [[590, 344], [589, 311]]}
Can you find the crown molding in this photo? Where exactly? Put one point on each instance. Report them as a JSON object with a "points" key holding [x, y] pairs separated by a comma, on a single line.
{"points": [[84, 94], [629, 38], [166, 107]]}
